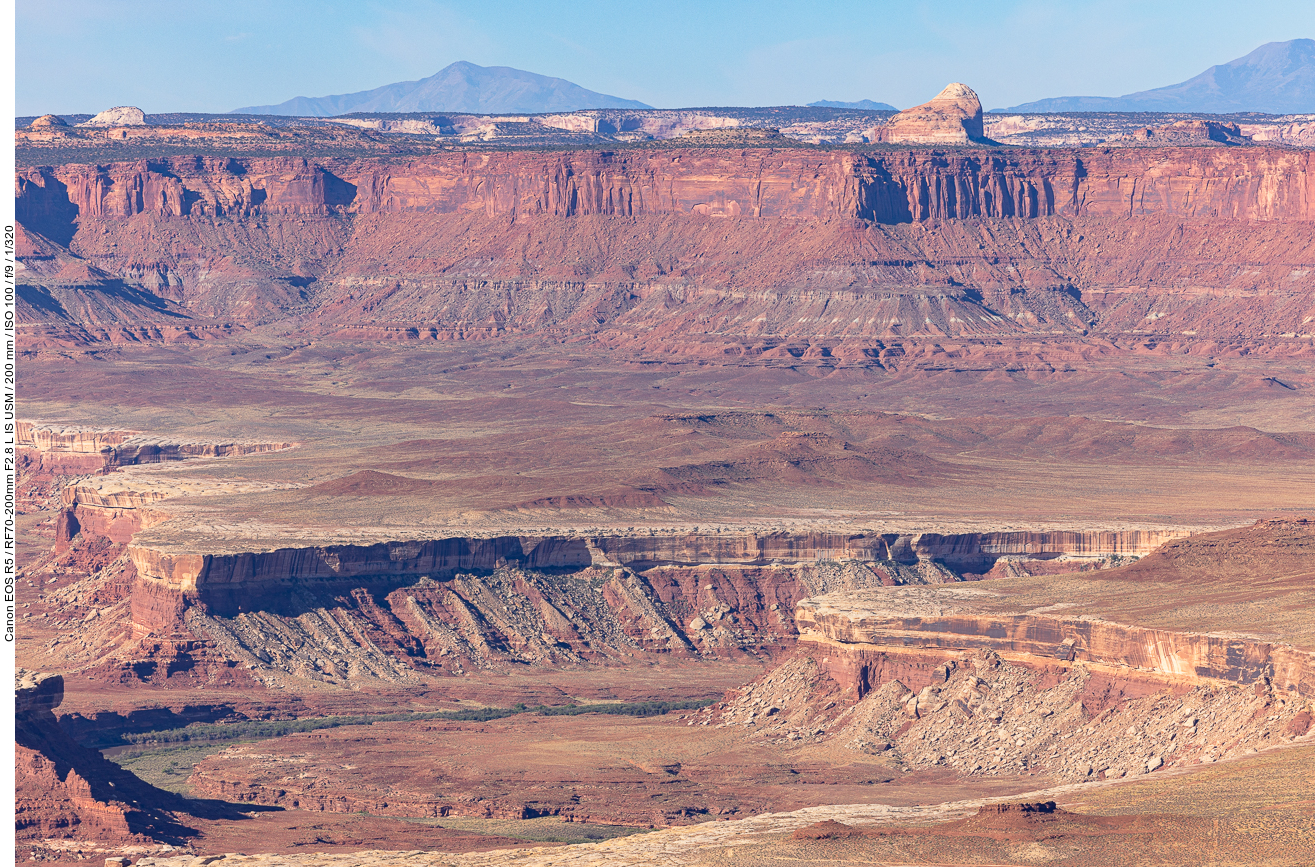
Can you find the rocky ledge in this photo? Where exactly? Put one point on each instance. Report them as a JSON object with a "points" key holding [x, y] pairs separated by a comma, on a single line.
{"points": [[1073, 677], [864, 627]]}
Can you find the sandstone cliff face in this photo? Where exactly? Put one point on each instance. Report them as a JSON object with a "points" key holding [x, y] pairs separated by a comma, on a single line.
{"points": [[1245, 184], [48, 452], [117, 448], [410, 631], [971, 551], [1173, 656], [832, 247], [420, 609], [897, 244], [1092, 678], [65, 791], [76, 440], [1188, 131], [201, 573], [118, 516]]}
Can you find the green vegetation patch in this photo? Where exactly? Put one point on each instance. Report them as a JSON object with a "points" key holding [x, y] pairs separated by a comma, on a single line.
{"points": [[167, 768], [264, 729], [545, 829]]}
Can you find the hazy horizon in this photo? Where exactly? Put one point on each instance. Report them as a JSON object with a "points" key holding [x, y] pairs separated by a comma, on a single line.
{"points": [[212, 57]]}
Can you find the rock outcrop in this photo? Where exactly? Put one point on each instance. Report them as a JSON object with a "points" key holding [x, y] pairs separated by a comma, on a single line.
{"points": [[1192, 132], [49, 121], [984, 681], [123, 115], [48, 454], [229, 582], [875, 626], [926, 698], [879, 186], [952, 117], [65, 791], [104, 450], [442, 607]]}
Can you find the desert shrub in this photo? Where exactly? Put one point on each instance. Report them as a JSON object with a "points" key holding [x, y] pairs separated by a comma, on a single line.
{"points": [[262, 729]]}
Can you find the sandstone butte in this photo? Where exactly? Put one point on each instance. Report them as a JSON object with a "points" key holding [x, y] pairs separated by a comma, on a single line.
{"points": [[952, 117], [122, 115], [48, 121]]}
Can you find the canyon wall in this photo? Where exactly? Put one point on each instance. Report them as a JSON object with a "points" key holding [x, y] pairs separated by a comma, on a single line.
{"points": [[48, 452], [227, 584], [114, 448], [961, 677], [117, 515], [865, 648], [201, 572], [837, 248], [65, 791], [883, 186]]}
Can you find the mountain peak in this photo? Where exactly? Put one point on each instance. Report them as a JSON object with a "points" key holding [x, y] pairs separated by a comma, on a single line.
{"points": [[955, 91], [462, 87], [862, 105], [1277, 78]]}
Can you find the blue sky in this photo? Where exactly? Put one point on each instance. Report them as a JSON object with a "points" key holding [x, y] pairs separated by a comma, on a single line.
{"points": [[202, 55]]}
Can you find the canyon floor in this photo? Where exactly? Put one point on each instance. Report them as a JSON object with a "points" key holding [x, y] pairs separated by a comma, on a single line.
{"points": [[412, 441], [726, 505]]}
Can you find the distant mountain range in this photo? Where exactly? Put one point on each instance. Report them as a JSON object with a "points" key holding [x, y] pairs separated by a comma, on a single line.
{"points": [[460, 87], [864, 104], [1276, 78]]}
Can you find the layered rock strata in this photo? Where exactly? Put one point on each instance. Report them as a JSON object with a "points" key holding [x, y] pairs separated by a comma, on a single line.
{"points": [[406, 610], [406, 630], [104, 450], [867, 632], [999, 677], [849, 255], [232, 582], [53, 453], [952, 117], [884, 187]]}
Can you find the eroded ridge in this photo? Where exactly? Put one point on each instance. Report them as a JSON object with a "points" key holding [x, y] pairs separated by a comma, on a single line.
{"points": [[72, 449], [982, 679], [445, 604]]}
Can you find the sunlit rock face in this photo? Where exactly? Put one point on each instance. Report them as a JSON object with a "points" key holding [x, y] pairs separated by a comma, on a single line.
{"points": [[953, 117]]}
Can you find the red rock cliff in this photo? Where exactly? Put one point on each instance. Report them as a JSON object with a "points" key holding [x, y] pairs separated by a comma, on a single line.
{"points": [[897, 186], [64, 790], [863, 637], [227, 583]]}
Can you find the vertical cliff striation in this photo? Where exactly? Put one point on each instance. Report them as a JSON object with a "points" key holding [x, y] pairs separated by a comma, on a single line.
{"points": [[1255, 183], [676, 246]]}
